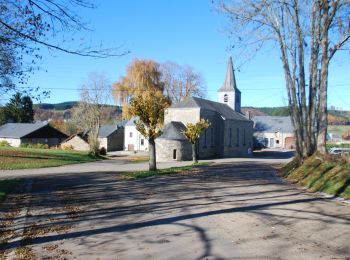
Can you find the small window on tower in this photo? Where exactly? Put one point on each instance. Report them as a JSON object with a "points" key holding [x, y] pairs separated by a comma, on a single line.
{"points": [[225, 98]]}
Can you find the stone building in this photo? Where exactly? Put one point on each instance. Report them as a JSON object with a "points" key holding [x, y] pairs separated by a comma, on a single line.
{"points": [[111, 137], [229, 135], [30, 133]]}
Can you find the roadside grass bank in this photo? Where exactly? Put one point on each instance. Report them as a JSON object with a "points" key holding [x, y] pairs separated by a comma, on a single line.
{"points": [[173, 170], [28, 158], [6, 186], [328, 174]]}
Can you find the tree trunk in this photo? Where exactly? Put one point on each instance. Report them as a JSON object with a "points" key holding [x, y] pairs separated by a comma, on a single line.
{"points": [[322, 109], [152, 155], [194, 153]]}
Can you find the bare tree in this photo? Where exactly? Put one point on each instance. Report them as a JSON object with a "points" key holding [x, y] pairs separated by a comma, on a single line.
{"points": [[94, 95], [26, 26], [182, 81], [308, 34]]}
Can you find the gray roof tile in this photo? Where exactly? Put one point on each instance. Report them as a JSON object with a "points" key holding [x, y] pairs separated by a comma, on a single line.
{"points": [[230, 80], [19, 130], [173, 131], [222, 109], [273, 124]]}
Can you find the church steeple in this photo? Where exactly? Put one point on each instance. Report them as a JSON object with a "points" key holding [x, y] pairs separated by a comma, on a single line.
{"points": [[229, 93]]}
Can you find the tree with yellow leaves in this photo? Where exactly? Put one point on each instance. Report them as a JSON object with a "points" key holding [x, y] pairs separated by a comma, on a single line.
{"points": [[193, 132], [143, 98]]}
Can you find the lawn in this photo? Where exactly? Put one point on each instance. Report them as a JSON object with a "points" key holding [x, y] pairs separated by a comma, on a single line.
{"points": [[329, 174], [5, 187], [173, 170], [26, 158]]}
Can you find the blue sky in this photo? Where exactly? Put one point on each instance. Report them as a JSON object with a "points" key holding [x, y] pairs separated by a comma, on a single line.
{"points": [[186, 32]]}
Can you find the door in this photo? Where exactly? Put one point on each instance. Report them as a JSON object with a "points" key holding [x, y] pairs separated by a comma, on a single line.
{"points": [[130, 147], [272, 142]]}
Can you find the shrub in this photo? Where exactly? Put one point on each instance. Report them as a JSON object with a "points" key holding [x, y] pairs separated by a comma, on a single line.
{"points": [[4, 144], [67, 147], [103, 151], [35, 146]]}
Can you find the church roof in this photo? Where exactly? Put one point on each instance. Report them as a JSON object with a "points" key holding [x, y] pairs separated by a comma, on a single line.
{"points": [[230, 80], [173, 131], [19, 130], [222, 109]]}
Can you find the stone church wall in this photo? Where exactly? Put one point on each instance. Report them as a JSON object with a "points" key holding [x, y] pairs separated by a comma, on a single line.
{"points": [[165, 150]]}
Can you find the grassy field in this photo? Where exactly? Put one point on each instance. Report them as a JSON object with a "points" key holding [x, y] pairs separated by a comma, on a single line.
{"points": [[26, 158], [5, 187], [326, 174], [338, 129], [173, 170]]}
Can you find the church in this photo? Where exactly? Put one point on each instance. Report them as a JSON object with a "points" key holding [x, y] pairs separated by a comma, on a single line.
{"points": [[230, 133]]}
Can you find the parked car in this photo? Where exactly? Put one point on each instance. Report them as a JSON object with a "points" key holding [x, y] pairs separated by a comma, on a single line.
{"points": [[336, 151]]}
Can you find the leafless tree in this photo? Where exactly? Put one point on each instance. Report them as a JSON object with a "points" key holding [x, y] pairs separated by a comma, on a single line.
{"points": [[182, 81], [307, 34], [26, 26], [95, 94]]}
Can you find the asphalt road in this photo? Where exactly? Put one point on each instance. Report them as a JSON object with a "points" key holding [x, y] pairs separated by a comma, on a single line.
{"points": [[233, 209]]}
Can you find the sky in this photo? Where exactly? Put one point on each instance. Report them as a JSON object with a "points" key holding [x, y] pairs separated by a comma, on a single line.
{"points": [[188, 32]]}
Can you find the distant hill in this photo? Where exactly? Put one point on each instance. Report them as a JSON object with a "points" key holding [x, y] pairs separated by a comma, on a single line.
{"points": [[58, 106], [62, 106]]}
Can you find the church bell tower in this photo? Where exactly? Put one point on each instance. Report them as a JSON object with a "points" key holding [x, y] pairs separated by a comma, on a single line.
{"points": [[229, 94]]}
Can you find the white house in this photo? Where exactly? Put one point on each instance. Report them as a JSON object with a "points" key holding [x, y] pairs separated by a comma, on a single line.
{"points": [[133, 140], [274, 131]]}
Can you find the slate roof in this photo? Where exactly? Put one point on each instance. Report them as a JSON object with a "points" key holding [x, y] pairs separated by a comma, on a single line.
{"points": [[19, 130], [273, 124], [131, 122], [173, 131], [106, 130], [222, 109], [230, 80]]}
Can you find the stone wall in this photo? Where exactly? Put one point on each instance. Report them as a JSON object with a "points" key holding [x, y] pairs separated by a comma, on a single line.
{"points": [[165, 150], [77, 143], [184, 115]]}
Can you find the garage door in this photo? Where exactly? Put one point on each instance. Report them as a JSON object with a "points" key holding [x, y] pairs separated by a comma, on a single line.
{"points": [[289, 143]]}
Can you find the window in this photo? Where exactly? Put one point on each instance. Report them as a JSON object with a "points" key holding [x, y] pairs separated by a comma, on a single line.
{"points": [[237, 144], [142, 142], [230, 138], [225, 98], [174, 154], [212, 137], [244, 136], [205, 138], [277, 141], [130, 135]]}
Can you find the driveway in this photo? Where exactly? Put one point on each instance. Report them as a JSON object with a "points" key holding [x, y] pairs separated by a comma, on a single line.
{"points": [[233, 209]]}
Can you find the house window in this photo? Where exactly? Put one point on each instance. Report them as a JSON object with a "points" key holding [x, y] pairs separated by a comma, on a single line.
{"points": [[237, 144], [277, 141], [230, 138], [142, 142], [212, 136], [244, 136], [225, 98], [174, 154], [205, 138], [130, 135]]}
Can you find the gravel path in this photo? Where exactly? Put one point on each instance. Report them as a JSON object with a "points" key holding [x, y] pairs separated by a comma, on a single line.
{"points": [[233, 209]]}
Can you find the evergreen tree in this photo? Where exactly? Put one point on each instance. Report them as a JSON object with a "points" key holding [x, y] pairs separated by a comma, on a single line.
{"points": [[19, 109]]}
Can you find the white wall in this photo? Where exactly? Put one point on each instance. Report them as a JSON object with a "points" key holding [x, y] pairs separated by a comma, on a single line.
{"points": [[15, 142], [279, 136], [135, 139]]}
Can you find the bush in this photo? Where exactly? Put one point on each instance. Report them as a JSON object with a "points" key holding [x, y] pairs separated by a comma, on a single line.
{"points": [[35, 146], [67, 147], [103, 151], [4, 144]]}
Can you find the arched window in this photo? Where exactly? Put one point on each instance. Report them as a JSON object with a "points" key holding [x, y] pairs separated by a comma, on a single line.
{"points": [[225, 98]]}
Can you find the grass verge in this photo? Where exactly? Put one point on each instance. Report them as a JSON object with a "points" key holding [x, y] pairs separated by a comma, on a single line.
{"points": [[172, 170], [6, 186], [321, 173], [27, 158]]}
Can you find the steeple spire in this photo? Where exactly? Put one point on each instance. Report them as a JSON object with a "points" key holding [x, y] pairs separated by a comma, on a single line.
{"points": [[230, 80], [229, 93]]}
